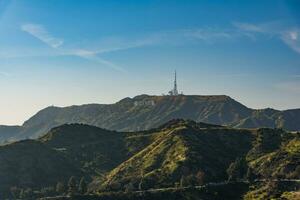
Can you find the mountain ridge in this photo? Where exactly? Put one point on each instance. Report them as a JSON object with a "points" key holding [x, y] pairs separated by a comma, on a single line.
{"points": [[143, 112]]}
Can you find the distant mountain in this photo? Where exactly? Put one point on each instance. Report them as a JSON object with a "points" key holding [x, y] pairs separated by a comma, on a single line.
{"points": [[144, 112], [178, 153], [9, 133]]}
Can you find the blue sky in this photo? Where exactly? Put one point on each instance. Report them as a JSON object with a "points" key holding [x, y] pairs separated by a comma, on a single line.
{"points": [[65, 52]]}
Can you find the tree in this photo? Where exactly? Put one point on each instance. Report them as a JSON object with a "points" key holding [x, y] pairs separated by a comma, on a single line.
{"points": [[72, 186], [48, 191], [141, 181], [188, 180], [82, 186], [26, 193], [184, 180], [237, 170], [22, 194], [60, 188], [15, 192], [250, 175], [200, 178], [129, 187]]}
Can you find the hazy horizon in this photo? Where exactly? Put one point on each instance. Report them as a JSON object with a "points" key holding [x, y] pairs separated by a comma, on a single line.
{"points": [[64, 53], [117, 100]]}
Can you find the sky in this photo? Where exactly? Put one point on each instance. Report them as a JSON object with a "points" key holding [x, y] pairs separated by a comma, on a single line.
{"points": [[66, 52]]}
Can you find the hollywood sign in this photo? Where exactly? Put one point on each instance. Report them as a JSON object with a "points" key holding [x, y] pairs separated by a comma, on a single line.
{"points": [[144, 103]]}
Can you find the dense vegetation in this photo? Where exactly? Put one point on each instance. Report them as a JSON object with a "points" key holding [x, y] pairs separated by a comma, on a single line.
{"points": [[226, 192], [134, 114], [78, 159]]}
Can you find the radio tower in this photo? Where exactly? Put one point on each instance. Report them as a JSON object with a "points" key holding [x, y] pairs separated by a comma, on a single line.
{"points": [[174, 91]]}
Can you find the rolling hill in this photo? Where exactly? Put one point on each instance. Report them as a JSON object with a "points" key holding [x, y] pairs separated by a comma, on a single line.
{"points": [[31, 164], [144, 112], [177, 153]]}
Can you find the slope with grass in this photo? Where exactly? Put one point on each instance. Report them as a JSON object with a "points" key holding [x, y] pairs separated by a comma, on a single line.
{"points": [[184, 149], [144, 112], [31, 164], [176, 154]]}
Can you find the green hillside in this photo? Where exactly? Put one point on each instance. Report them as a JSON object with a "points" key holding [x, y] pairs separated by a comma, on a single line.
{"points": [[179, 153], [31, 164], [276, 154], [183, 149], [145, 112]]}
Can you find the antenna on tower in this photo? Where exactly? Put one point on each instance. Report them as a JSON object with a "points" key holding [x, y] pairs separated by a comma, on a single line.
{"points": [[174, 91]]}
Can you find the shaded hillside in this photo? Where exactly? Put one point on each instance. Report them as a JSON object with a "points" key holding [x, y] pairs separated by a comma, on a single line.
{"points": [[144, 112], [184, 150], [275, 154], [9, 133], [31, 164], [176, 154], [289, 119], [93, 149], [68, 150]]}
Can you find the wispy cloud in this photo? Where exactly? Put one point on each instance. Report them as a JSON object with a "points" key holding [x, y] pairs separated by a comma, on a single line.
{"points": [[292, 38], [249, 27], [42, 34], [174, 37], [94, 57], [289, 35], [165, 37], [90, 55], [184, 36]]}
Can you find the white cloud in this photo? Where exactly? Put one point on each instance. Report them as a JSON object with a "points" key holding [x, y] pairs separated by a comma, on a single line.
{"points": [[294, 35], [209, 34], [106, 62], [168, 37], [90, 55], [249, 27], [198, 34], [173, 37], [42, 34], [83, 53], [290, 36]]}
